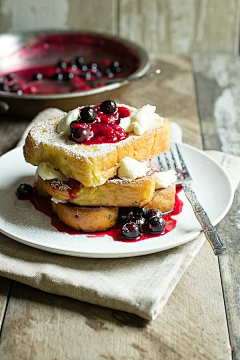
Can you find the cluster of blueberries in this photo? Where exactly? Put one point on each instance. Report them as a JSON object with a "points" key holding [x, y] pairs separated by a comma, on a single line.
{"points": [[140, 220], [88, 115], [64, 71]]}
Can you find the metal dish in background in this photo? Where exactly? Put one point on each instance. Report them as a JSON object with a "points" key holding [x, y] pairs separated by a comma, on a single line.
{"points": [[26, 50]]}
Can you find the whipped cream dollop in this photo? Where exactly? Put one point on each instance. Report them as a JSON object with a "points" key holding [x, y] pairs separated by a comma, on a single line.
{"points": [[63, 127], [47, 172], [58, 201], [164, 179], [131, 169], [142, 120]]}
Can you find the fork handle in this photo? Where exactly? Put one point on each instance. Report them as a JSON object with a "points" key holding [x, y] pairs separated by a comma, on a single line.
{"points": [[209, 231]]}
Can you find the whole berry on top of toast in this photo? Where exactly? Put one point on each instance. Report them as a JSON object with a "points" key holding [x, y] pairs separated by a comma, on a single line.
{"points": [[95, 161]]}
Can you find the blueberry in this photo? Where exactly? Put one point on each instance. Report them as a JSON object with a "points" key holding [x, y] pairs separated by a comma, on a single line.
{"points": [[108, 106], [88, 115], [61, 63], [67, 76], [74, 125], [139, 212], [98, 74], [84, 68], [131, 230], [4, 87], [10, 76], [140, 221], [24, 191], [79, 61], [57, 76], [80, 135], [115, 67], [37, 76], [153, 212], [15, 87], [155, 225]]}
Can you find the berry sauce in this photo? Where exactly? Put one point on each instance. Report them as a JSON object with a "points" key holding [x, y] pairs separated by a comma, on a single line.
{"points": [[43, 205], [64, 63], [105, 129]]}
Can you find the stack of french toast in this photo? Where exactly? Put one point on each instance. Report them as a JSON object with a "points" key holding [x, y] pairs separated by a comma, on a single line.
{"points": [[96, 160]]}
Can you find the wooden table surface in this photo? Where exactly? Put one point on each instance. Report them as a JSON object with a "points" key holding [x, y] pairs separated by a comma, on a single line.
{"points": [[202, 317]]}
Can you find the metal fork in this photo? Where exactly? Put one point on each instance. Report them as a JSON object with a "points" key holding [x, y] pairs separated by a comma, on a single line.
{"points": [[184, 178]]}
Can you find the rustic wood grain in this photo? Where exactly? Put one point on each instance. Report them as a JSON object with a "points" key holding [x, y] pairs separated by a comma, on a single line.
{"points": [[218, 89], [58, 14], [5, 285], [193, 324], [44, 326], [159, 25], [172, 93], [11, 130], [181, 27]]}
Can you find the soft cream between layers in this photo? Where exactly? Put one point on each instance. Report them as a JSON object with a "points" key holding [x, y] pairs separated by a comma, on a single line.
{"points": [[129, 169]]}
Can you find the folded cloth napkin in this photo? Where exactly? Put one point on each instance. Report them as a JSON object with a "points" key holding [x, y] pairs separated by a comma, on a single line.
{"points": [[139, 285]]}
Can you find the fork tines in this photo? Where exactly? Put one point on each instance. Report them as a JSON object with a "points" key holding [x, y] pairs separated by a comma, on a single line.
{"points": [[173, 160]]}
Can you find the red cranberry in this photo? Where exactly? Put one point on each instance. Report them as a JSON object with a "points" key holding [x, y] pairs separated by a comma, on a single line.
{"points": [[156, 225], [123, 112], [24, 191], [37, 76], [131, 230], [88, 115], [108, 106]]}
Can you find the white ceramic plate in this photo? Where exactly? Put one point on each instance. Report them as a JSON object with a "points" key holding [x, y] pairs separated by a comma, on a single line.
{"points": [[20, 221]]}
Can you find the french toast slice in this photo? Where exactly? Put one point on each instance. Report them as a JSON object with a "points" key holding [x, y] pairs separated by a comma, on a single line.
{"points": [[88, 219], [92, 218], [114, 192], [91, 165]]}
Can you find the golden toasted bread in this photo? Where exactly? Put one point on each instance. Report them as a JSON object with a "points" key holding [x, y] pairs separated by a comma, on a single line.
{"points": [[163, 199], [94, 218], [88, 219], [114, 192], [91, 165]]}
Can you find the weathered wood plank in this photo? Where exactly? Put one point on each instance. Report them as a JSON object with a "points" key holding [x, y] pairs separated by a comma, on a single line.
{"points": [[58, 14], [44, 326], [218, 89], [181, 26], [161, 26], [172, 93], [5, 285], [11, 130]]}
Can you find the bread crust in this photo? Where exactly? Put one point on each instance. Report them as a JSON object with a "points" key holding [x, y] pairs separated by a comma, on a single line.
{"points": [[114, 192], [91, 165], [90, 219], [163, 199]]}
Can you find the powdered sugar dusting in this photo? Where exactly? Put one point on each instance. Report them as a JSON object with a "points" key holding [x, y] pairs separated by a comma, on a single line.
{"points": [[46, 134]]}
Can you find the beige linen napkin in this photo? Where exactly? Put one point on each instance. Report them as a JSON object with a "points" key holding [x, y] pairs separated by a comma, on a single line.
{"points": [[139, 285]]}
